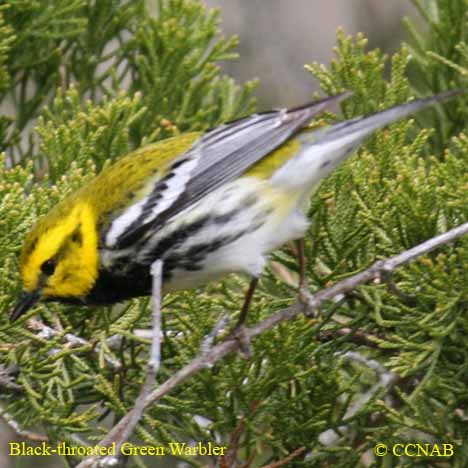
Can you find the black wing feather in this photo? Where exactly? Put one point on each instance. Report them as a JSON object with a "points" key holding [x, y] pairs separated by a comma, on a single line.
{"points": [[225, 153]]}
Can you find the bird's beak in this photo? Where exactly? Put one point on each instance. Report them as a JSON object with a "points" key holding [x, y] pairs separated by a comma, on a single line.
{"points": [[25, 302]]}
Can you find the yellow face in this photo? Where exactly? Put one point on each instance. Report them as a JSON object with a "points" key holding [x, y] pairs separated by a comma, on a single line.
{"points": [[59, 258]]}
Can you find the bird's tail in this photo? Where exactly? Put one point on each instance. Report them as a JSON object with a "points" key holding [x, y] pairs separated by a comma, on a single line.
{"points": [[363, 126], [322, 150]]}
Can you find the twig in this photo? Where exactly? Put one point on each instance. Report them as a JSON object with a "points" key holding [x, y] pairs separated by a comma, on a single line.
{"points": [[208, 340], [114, 341], [152, 369], [153, 362], [8, 384], [6, 380], [409, 299], [383, 267], [283, 461], [358, 337], [33, 436], [386, 381], [230, 459], [74, 341], [313, 304]]}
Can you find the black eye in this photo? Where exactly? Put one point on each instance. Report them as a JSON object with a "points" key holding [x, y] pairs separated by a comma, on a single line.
{"points": [[48, 267]]}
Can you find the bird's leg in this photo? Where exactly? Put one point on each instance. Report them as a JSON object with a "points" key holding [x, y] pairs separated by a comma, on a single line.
{"points": [[238, 331], [247, 301]]}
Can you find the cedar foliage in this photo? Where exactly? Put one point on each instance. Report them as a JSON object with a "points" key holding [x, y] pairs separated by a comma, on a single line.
{"points": [[85, 83]]}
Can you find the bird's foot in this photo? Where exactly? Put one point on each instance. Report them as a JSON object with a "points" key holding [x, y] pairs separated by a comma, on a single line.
{"points": [[239, 333], [307, 300]]}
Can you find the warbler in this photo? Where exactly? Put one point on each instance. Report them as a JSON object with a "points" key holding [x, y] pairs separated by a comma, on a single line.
{"points": [[203, 204]]}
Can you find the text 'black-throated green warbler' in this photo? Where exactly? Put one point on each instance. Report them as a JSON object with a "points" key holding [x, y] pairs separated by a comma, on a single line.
{"points": [[204, 204]]}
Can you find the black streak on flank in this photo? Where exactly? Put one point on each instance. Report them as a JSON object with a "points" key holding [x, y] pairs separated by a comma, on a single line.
{"points": [[132, 280], [194, 266], [178, 237], [244, 204], [193, 258], [226, 217], [249, 201]]}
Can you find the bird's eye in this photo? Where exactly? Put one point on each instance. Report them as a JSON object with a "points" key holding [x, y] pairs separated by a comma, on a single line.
{"points": [[48, 267]]}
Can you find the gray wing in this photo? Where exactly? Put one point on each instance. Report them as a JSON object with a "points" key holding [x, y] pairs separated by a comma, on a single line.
{"points": [[219, 156]]}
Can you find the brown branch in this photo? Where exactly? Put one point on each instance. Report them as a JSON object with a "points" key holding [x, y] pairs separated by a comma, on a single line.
{"points": [[29, 435], [231, 456], [308, 305], [283, 461]]}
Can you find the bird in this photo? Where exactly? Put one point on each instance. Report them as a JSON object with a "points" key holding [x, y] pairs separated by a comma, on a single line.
{"points": [[204, 204]]}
